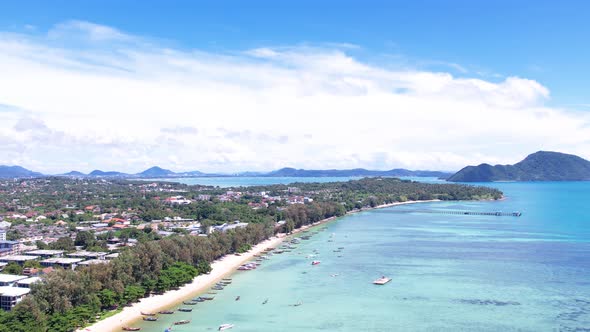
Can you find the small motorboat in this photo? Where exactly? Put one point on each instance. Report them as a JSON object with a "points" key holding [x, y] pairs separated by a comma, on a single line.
{"points": [[185, 309], [238, 298], [315, 262], [166, 312], [182, 322], [131, 328], [207, 298], [265, 301], [225, 327], [296, 304], [147, 313], [190, 302], [382, 281], [199, 299], [150, 319]]}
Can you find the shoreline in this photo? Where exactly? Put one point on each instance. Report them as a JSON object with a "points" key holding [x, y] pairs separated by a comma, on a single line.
{"points": [[220, 268]]}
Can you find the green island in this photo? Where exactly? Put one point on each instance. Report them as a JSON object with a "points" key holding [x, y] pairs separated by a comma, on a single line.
{"points": [[161, 235]]}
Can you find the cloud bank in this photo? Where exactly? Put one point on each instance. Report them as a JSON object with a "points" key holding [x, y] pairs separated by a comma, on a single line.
{"points": [[84, 96]]}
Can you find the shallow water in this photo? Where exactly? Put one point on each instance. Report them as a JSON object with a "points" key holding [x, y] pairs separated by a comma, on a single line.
{"points": [[450, 272]]}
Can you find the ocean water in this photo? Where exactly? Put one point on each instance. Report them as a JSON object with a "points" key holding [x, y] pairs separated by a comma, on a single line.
{"points": [[449, 272], [244, 181]]}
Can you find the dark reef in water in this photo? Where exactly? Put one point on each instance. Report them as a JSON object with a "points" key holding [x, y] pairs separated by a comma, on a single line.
{"points": [[488, 302]]}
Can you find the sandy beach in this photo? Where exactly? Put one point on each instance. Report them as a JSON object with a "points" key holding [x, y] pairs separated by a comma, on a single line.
{"points": [[220, 269]]}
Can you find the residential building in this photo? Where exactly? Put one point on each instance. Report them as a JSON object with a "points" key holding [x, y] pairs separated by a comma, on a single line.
{"points": [[19, 259], [9, 248], [66, 263], [10, 279], [88, 254], [10, 296], [26, 283], [45, 253]]}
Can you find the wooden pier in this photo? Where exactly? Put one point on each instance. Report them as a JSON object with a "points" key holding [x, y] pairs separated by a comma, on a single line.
{"points": [[464, 213]]}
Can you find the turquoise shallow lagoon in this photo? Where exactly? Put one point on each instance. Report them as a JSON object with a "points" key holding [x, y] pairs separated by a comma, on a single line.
{"points": [[450, 272]]}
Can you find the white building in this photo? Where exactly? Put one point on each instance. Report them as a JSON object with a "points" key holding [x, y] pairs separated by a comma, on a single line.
{"points": [[7, 280], [2, 235], [225, 227], [66, 263], [26, 283], [45, 253], [10, 296]]}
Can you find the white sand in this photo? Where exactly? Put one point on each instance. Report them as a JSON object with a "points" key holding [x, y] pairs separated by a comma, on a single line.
{"points": [[220, 269]]}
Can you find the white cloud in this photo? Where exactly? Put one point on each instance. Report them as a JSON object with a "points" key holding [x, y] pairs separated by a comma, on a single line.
{"points": [[87, 96]]}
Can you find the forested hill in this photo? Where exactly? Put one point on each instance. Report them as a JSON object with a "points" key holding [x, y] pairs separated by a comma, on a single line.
{"points": [[539, 166]]}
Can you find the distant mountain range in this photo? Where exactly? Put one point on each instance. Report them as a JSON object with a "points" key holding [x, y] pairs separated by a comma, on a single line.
{"points": [[292, 172], [158, 172], [17, 172], [539, 166]]}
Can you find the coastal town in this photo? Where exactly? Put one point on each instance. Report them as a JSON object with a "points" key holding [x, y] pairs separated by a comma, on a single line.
{"points": [[60, 228]]}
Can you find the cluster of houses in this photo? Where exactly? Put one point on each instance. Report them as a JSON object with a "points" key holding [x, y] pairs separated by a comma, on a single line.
{"points": [[14, 287]]}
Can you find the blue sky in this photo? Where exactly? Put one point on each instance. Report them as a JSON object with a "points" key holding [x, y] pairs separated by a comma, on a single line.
{"points": [[258, 85], [543, 40]]}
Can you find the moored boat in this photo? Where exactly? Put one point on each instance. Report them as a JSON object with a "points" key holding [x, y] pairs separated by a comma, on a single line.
{"points": [[147, 313], [131, 328], [190, 302], [225, 327], [185, 309], [315, 262], [150, 319], [382, 281], [166, 312], [182, 322]]}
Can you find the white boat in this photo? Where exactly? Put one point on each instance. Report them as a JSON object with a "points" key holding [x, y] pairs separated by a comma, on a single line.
{"points": [[225, 327], [382, 281]]}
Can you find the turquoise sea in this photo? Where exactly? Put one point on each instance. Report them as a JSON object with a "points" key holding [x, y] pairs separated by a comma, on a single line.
{"points": [[449, 272]]}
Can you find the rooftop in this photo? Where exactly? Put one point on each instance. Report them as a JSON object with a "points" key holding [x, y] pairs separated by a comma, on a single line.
{"points": [[87, 254], [13, 291], [94, 261], [11, 277], [62, 260], [17, 258], [44, 252], [29, 281]]}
